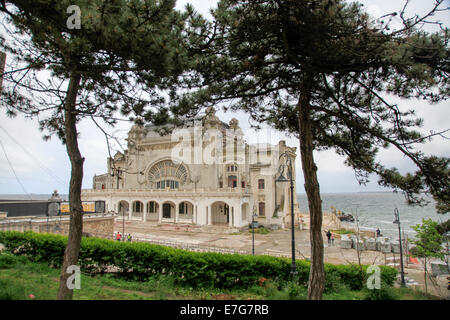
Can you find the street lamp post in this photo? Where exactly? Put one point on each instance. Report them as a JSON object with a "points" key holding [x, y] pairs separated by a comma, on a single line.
{"points": [[123, 223], [281, 178], [397, 221], [118, 172], [253, 229]]}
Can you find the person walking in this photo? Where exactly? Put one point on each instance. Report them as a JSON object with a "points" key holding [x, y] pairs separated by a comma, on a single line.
{"points": [[129, 237], [118, 236], [329, 236], [332, 239]]}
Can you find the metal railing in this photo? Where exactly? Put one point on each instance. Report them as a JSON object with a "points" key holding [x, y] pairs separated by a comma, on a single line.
{"points": [[165, 191], [190, 246]]}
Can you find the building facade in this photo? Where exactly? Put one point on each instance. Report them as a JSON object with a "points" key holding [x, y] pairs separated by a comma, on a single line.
{"points": [[201, 174]]}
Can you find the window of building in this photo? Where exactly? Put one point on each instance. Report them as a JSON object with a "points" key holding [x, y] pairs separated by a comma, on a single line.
{"points": [[232, 168], [232, 181], [243, 184], [181, 208], [152, 207], [137, 206], [261, 184], [262, 209], [167, 170], [167, 184], [220, 184]]}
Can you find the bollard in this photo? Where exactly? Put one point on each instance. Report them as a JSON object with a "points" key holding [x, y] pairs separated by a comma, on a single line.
{"points": [[395, 247], [360, 245], [385, 247], [346, 242], [370, 244]]}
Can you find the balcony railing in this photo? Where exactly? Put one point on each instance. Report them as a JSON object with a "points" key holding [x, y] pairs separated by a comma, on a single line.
{"points": [[168, 190]]}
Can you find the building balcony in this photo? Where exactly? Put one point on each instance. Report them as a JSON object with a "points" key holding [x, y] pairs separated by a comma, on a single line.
{"points": [[167, 191]]}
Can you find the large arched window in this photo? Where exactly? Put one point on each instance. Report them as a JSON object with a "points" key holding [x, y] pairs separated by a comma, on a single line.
{"points": [[167, 174]]}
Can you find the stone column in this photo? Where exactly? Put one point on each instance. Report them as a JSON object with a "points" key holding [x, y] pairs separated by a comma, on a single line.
{"points": [[159, 213], [238, 216], [209, 215], [194, 214], [144, 212], [230, 216], [177, 215]]}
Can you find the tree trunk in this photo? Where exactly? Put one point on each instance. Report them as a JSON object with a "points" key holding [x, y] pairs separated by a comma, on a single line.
{"points": [[316, 282], [425, 276], [76, 210]]}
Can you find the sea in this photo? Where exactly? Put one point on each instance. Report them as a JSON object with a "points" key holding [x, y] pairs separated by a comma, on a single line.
{"points": [[376, 210], [373, 209]]}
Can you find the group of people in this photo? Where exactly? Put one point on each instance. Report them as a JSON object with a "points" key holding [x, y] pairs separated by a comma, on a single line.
{"points": [[330, 237], [124, 238]]}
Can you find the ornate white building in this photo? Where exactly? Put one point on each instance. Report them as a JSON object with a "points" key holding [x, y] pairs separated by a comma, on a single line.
{"points": [[202, 174]]}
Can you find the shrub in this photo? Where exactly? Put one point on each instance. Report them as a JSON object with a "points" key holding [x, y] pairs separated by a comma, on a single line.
{"points": [[350, 275], [385, 292], [10, 290], [142, 261], [296, 292], [7, 260], [260, 230], [333, 283]]}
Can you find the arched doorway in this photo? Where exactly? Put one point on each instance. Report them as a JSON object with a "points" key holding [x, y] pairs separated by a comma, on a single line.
{"points": [[220, 213], [138, 209], [185, 210], [168, 210], [123, 209], [152, 211]]}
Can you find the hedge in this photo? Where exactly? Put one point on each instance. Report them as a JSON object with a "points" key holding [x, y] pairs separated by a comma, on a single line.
{"points": [[140, 261]]}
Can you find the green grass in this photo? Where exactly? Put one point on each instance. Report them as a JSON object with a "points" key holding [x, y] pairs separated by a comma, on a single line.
{"points": [[261, 230], [19, 277], [343, 231]]}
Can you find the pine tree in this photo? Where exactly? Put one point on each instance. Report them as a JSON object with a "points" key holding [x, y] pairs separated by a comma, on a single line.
{"points": [[321, 70], [74, 59]]}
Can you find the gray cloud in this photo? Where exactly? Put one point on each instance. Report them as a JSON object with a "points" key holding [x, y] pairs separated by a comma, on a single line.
{"points": [[333, 175]]}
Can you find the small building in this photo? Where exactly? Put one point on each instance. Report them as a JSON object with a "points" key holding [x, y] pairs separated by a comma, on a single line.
{"points": [[201, 174]]}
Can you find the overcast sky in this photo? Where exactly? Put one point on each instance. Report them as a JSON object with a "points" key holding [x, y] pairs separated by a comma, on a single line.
{"points": [[42, 167]]}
